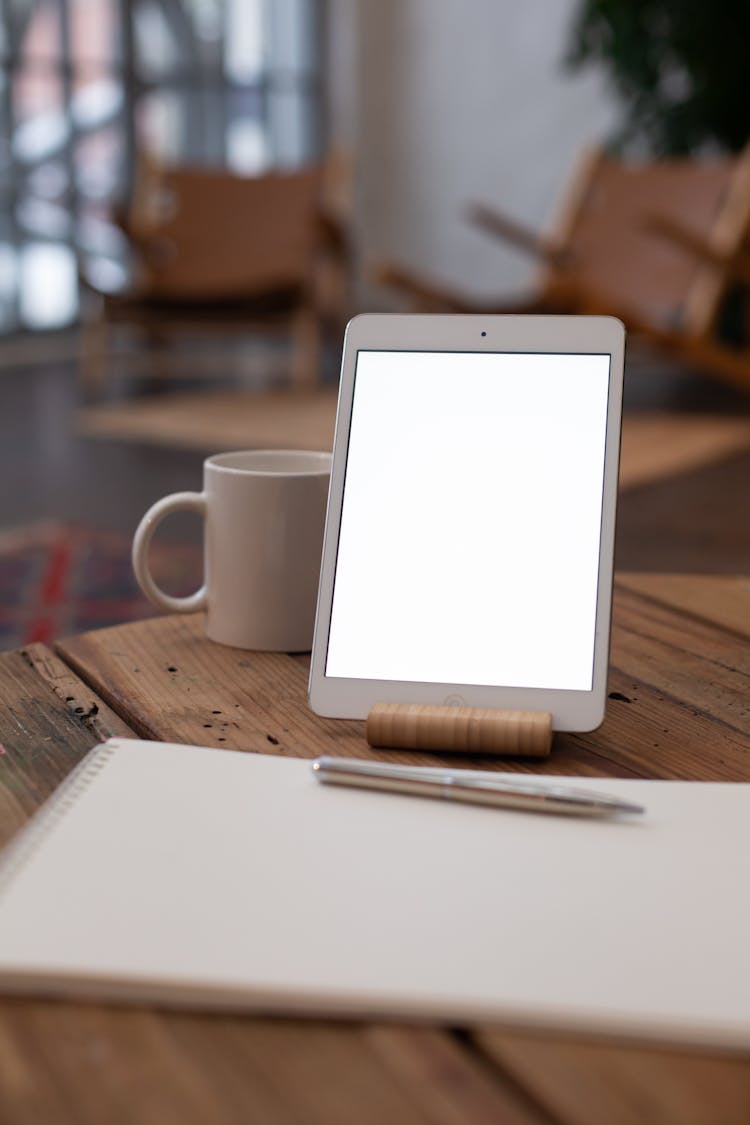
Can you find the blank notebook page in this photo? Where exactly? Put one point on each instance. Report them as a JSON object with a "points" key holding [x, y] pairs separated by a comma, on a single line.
{"points": [[182, 874]]}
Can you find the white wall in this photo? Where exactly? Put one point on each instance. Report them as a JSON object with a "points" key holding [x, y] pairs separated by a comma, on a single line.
{"points": [[449, 101]]}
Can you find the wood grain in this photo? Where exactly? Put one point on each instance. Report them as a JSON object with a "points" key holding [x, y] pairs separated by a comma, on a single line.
{"points": [[88, 710], [679, 687], [667, 715], [687, 659], [721, 601], [585, 1083], [484, 730], [169, 682], [85, 1065], [41, 739]]}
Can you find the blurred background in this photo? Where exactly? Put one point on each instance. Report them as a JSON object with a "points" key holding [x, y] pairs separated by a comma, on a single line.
{"points": [[195, 195]]}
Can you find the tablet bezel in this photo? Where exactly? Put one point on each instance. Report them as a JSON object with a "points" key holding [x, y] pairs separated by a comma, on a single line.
{"points": [[581, 335]]}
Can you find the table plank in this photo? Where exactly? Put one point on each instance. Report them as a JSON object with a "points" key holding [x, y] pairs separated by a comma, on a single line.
{"points": [[170, 683], [678, 686], [723, 601], [90, 712], [83, 1065], [41, 739], [585, 1083]]}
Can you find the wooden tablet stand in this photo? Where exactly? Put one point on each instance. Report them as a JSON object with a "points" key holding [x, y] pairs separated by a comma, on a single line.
{"points": [[474, 730]]}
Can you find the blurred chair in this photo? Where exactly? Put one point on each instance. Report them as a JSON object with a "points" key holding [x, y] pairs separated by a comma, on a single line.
{"points": [[662, 245], [216, 252]]}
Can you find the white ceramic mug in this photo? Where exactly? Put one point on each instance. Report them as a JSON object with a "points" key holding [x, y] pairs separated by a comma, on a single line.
{"points": [[264, 513]]}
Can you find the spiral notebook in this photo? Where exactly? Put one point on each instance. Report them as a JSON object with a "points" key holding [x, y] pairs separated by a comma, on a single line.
{"points": [[183, 875]]}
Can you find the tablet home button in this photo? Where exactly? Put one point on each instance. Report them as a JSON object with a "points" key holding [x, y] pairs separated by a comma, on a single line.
{"points": [[454, 701]]}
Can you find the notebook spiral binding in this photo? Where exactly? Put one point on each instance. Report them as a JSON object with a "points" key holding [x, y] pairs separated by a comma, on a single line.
{"points": [[23, 845]]}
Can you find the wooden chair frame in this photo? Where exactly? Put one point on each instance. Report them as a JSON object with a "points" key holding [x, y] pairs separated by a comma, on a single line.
{"points": [[303, 300], [714, 257]]}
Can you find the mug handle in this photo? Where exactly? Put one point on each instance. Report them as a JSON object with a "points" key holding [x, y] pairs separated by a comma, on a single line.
{"points": [[179, 501]]}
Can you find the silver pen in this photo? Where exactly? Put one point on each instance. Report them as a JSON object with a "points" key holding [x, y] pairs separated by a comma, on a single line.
{"points": [[469, 786]]}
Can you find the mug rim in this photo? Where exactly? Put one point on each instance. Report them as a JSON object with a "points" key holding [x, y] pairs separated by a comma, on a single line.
{"points": [[217, 462]]}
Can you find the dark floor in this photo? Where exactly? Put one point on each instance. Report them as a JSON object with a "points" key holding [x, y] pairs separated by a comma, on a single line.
{"points": [[50, 471], [696, 522]]}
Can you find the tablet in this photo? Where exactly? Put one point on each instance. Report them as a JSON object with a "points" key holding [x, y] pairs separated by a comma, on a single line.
{"points": [[470, 530]]}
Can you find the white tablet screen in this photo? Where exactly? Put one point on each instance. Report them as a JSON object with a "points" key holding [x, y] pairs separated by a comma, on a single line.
{"points": [[468, 549]]}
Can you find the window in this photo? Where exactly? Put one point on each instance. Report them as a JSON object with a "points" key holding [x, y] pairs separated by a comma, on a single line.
{"points": [[87, 83]]}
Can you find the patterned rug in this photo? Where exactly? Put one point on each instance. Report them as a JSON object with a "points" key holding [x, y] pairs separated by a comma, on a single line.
{"points": [[56, 580]]}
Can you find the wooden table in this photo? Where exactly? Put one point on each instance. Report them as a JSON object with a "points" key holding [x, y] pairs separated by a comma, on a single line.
{"points": [[679, 708]]}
